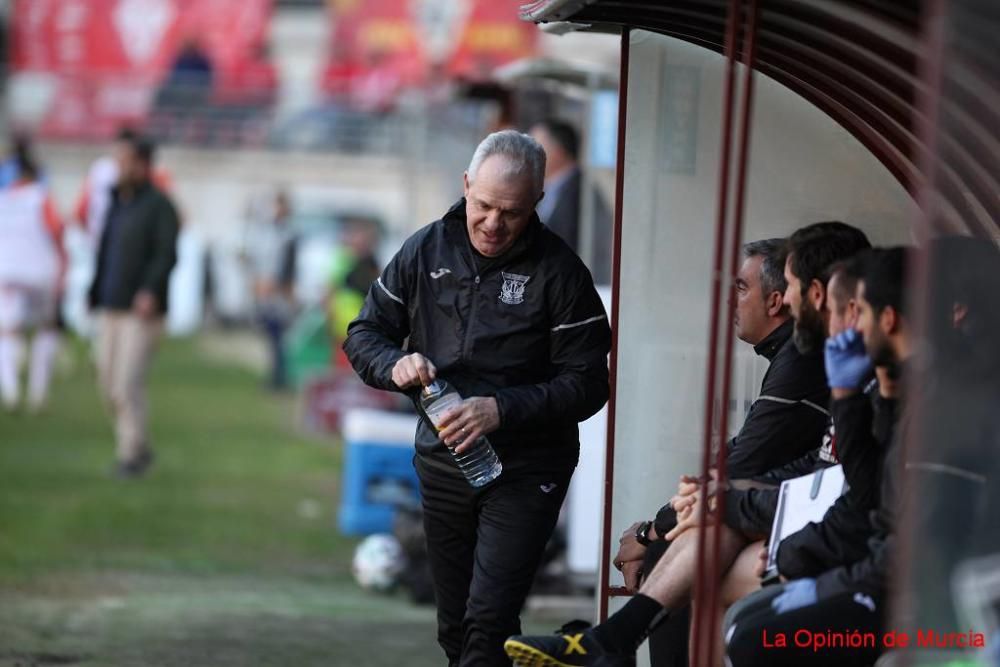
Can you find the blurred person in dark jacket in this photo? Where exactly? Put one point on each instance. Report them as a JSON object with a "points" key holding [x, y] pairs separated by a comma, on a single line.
{"points": [[960, 427], [91, 211], [136, 255], [562, 206]]}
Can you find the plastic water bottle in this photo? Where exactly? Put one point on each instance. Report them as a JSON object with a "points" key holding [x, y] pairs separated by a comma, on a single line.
{"points": [[479, 463]]}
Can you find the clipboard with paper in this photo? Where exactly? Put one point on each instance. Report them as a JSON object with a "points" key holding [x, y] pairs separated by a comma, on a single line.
{"points": [[801, 501]]}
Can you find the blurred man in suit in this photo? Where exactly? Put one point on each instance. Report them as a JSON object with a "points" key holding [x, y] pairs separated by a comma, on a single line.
{"points": [[562, 206]]}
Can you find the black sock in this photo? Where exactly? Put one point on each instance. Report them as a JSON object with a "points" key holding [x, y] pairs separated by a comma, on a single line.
{"points": [[625, 629]]}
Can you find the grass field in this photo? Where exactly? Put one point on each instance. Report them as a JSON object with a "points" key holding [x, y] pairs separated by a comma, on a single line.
{"points": [[225, 555]]}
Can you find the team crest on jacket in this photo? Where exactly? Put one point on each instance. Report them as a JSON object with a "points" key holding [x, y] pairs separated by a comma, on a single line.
{"points": [[512, 290]]}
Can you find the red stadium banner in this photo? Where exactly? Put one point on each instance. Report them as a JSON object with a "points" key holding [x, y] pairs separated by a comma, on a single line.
{"points": [[97, 62], [459, 38]]}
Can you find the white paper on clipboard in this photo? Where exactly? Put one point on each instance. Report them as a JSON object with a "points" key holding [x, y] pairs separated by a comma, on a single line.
{"points": [[800, 501]]}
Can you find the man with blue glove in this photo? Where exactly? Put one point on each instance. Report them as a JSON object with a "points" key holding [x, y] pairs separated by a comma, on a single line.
{"points": [[842, 536], [837, 617], [847, 362]]}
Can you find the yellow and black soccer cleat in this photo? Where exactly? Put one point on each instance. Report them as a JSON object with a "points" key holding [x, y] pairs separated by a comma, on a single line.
{"points": [[562, 650]]}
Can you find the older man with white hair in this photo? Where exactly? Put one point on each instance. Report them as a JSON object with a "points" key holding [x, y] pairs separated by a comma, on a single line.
{"points": [[493, 302]]}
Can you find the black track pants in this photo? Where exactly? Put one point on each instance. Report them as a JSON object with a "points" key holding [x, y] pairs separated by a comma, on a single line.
{"points": [[754, 631], [484, 547]]}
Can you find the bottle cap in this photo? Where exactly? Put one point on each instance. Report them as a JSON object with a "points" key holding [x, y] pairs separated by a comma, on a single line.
{"points": [[432, 388]]}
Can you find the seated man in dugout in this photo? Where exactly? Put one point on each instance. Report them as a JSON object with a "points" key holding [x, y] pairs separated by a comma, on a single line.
{"points": [[788, 417], [812, 250], [838, 616]]}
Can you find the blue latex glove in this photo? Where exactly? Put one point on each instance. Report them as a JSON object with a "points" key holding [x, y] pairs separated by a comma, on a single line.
{"points": [[797, 594], [847, 363]]}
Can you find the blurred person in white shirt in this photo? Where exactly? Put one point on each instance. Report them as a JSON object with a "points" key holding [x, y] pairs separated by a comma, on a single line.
{"points": [[32, 269]]}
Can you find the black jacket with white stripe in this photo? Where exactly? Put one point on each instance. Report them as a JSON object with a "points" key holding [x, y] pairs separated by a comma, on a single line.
{"points": [[751, 511], [527, 328], [789, 417], [786, 422]]}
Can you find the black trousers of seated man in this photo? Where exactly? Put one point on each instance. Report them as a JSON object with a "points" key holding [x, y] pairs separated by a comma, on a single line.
{"points": [[484, 547], [747, 621]]}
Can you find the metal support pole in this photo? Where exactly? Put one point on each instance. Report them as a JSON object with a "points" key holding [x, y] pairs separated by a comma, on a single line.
{"points": [[705, 630], [929, 107], [604, 590]]}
